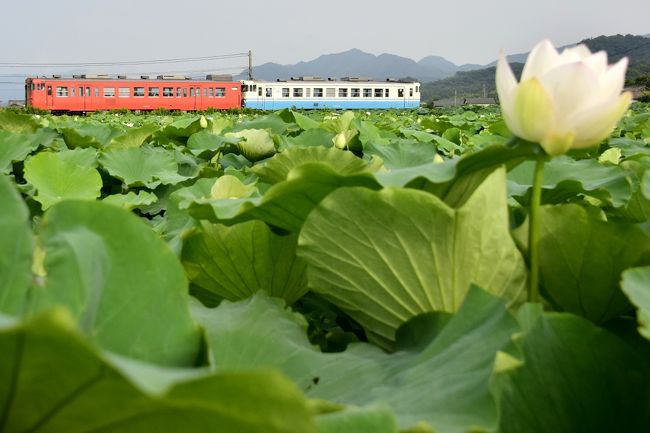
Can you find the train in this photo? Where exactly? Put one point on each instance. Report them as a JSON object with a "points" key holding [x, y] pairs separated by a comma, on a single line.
{"points": [[89, 93]]}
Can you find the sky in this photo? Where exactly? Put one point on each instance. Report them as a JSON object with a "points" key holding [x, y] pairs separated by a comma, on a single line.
{"points": [[286, 32]]}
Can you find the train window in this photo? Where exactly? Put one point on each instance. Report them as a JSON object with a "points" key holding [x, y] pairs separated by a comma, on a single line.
{"points": [[96, 92], [184, 93], [205, 92], [49, 90], [355, 93], [285, 92], [61, 91], [210, 92], [138, 91], [379, 93], [308, 92], [297, 92], [269, 92], [400, 93], [220, 92], [197, 91], [124, 92], [168, 92], [244, 88], [71, 91], [33, 87], [81, 91], [191, 92], [259, 91], [387, 92], [254, 87], [318, 92], [109, 92], [154, 92], [367, 93], [87, 91], [330, 92], [411, 91], [343, 93], [179, 92], [417, 89]]}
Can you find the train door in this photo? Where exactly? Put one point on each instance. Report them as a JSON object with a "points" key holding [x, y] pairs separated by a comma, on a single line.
{"points": [[197, 97], [401, 95], [48, 96], [86, 98], [261, 96]]}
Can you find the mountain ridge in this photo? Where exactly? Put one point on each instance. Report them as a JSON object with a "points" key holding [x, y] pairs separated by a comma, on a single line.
{"points": [[355, 62]]}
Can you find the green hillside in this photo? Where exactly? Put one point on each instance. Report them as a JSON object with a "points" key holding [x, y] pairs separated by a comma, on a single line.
{"points": [[481, 82]]}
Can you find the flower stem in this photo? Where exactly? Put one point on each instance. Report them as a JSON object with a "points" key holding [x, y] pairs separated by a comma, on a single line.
{"points": [[533, 231]]}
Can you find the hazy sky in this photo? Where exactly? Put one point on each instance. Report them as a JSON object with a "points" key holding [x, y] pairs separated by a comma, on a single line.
{"points": [[469, 31]]}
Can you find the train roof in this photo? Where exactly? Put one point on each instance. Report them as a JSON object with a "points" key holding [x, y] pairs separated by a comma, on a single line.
{"points": [[347, 80], [142, 78]]}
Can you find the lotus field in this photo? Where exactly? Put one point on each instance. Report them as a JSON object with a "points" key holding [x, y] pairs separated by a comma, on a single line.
{"points": [[342, 272]]}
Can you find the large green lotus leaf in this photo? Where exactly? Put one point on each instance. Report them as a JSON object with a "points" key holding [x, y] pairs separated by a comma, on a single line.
{"points": [[256, 144], [52, 381], [118, 279], [58, 176], [273, 123], [581, 260], [286, 204], [15, 146], [95, 135], [566, 178], [17, 122], [573, 377], [314, 137], [183, 127], [338, 123], [638, 208], [134, 137], [203, 141], [636, 285], [305, 122], [374, 419], [142, 166], [387, 256], [235, 262], [444, 383], [454, 180], [132, 200], [84, 157], [16, 247], [443, 173], [402, 153], [277, 169]]}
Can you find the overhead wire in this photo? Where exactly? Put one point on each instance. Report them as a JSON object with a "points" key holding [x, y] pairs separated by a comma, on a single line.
{"points": [[122, 63]]}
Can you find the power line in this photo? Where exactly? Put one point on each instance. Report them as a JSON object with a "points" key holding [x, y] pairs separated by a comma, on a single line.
{"points": [[124, 63]]}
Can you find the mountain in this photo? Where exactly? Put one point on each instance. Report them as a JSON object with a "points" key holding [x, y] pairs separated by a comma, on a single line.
{"points": [[357, 63], [481, 82]]}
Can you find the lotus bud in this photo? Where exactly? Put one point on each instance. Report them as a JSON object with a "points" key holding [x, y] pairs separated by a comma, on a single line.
{"points": [[340, 141], [203, 122], [563, 101]]}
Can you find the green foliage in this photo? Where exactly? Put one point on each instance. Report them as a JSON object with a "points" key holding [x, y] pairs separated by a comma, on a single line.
{"points": [[413, 255], [147, 262]]}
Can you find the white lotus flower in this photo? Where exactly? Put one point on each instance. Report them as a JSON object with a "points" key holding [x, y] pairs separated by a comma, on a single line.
{"points": [[563, 101]]}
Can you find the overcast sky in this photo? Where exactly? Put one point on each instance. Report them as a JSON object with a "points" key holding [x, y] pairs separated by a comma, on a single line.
{"points": [[469, 31]]}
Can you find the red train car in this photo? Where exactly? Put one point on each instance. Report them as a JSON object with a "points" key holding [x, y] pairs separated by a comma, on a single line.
{"points": [[86, 93]]}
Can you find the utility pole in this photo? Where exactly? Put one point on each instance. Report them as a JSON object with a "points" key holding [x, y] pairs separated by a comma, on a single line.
{"points": [[250, 64]]}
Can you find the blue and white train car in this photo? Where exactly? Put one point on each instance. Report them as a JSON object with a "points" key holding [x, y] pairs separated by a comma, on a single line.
{"points": [[319, 93]]}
